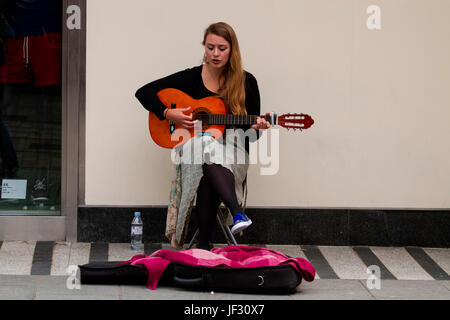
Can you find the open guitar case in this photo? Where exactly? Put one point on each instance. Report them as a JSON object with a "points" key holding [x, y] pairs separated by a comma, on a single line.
{"points": [[281, 279]]}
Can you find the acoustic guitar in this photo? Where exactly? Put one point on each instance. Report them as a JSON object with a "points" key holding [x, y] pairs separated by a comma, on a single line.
{"points": [[212, 112]]}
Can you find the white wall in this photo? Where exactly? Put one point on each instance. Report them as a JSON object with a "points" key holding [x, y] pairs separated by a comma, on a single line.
{"points": [[380, 98]]}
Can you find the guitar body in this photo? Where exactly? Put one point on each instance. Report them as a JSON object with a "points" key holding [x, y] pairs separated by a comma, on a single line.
{"points": [[213, 115], [160, 130]]}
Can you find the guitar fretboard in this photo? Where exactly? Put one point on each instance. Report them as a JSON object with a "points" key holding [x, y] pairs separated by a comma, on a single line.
{"points": [[228, 119]]}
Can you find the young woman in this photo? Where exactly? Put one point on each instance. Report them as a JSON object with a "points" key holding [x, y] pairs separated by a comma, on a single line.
{"points": [[221, 75]]}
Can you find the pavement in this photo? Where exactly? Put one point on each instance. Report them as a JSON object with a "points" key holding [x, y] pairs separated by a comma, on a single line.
{"points": [[34, 270]]}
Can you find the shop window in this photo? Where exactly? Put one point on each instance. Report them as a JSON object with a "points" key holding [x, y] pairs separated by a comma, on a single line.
{"points": [[30, 107]]}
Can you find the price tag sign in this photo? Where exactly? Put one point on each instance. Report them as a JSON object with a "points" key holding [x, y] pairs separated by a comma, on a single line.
{"points": [[14, 189]]}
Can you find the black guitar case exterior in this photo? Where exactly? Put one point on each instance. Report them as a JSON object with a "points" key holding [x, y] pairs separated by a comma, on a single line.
{"points": [[281, 279]]}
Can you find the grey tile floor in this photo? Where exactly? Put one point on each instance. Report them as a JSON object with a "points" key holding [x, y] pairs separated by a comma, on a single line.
{"points": [[31, 270], [56, 288]]}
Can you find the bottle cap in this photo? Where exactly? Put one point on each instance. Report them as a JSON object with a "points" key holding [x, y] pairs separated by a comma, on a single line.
{"points": [[137, 214]]}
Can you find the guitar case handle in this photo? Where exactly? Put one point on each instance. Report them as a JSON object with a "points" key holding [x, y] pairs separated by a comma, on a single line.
{"points": [[189, 283]]}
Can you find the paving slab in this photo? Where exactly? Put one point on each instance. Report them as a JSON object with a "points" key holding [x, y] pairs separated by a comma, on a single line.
{"points": [[98, 252], [42, 258], [128, 292], [121, 252], [411, 290], [332, 289], [370, 260], [323, 269], [79, 253], [427, 263], [56, 288], [345, 262], [400, 263], [291, 251], [16, 287], [441, 256], [60, 259], [16, 257], [446, 284], [214, 295]]}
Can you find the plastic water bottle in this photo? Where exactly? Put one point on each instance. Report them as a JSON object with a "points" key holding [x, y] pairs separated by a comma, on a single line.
{"points": [[137, 232]]}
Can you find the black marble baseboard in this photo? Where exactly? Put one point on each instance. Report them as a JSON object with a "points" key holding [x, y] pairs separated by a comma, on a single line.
{"points": [[343, 227]]}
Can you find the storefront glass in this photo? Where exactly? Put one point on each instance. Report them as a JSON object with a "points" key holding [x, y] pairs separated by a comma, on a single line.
{"points": [[30, 107]]}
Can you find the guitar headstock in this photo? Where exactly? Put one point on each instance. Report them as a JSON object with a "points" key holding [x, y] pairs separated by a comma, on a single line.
{"points": [[295, 121]]}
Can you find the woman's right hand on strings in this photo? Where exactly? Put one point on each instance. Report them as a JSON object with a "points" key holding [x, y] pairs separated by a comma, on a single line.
{"points": [[180, 119]]}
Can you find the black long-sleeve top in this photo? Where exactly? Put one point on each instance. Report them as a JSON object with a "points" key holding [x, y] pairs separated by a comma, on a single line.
{"points": [[190, 82]]}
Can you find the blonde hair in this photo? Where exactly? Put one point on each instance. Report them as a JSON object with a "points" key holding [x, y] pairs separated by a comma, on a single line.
{"points": [[233, 91]]}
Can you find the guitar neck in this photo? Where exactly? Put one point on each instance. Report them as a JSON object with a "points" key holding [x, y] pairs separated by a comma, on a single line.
{"points": [[232, 119]]}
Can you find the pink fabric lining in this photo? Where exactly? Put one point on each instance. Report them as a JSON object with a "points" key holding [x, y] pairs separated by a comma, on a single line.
{"points": [[231, 256]]}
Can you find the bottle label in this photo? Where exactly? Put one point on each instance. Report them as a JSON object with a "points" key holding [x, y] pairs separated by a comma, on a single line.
{"points": [[136, 230]]}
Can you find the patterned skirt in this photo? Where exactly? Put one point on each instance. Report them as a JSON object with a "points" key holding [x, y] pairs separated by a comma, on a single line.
{"points": [[186, 175]]}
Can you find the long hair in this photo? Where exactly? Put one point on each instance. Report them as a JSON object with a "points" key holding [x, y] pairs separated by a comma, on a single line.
{"points": [[233, 91]]}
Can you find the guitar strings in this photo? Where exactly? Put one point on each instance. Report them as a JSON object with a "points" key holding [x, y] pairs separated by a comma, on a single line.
{"points": [[226, 119]]}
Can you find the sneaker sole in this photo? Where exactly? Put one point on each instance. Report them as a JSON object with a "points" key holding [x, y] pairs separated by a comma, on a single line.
{"points": [[240, 227]]}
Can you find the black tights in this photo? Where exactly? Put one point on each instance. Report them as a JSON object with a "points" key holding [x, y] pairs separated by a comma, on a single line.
{"points": [[216, 185]]}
